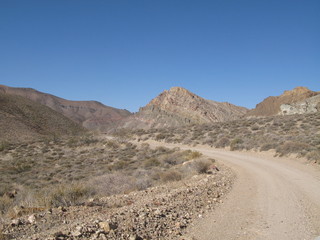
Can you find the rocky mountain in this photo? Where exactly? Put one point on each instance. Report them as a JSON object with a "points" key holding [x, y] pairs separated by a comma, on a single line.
{"points": [[271, 105], [91, 114], [179, 106], [22, 119], [309, 105]]}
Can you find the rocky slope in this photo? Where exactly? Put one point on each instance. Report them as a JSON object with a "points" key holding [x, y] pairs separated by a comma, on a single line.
{"points": [[271, 105], [22, 119], [91, 114], [162, 212], [309, 105], [178, 106]]}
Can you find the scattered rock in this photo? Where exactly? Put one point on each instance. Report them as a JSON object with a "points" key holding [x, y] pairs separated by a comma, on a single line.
{"points": [[32, 219], [16, 222], [161, 212]]}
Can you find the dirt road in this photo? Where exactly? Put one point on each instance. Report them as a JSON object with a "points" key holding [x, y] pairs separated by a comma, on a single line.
{"points": [[273, 198]]}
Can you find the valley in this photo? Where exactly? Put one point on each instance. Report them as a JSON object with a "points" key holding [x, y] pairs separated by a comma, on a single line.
{"points": [[183, 167]]}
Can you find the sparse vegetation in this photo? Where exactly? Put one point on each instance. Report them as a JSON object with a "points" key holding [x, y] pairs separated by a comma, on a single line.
{"points": [[67, 171], [292, 134]]}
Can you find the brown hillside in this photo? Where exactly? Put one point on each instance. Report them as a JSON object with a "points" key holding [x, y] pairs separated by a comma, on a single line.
{"points": [[271, 105], [22, 119], [179, 106], [91, 114]]}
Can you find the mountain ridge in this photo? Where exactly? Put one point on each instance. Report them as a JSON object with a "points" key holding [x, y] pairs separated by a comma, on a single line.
{"points": [[92, 115]]}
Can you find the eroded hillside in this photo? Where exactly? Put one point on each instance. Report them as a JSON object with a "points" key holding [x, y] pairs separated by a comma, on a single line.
{"points": [[24, 120]]}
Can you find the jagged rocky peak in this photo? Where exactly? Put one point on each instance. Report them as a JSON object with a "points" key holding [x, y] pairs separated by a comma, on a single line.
{"points": [[179, 106], [174, 96]]}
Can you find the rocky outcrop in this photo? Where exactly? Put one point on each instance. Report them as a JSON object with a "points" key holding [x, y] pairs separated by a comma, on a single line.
{"points": [[271, 105], [178, 106], [309, 105], [91, 114]]}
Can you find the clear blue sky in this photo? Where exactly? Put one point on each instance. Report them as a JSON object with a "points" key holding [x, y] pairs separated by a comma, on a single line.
{"points": [[124, 53]]}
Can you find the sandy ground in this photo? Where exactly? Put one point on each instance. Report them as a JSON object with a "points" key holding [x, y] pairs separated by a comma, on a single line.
{"points": [[272, 198]]}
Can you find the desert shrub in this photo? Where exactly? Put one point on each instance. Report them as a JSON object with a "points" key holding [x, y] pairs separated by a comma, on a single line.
{"points": [[66, 195], [222, 142], [255, 127], [314, 156], [235, 144], [119, 165], [152, 162], [3, 146], [194, 155], [143, 183], [5, 204], [114, 183], [112, 144], [293, 147], [202, 165], [161, 136], [171, 175], [268, 146]]}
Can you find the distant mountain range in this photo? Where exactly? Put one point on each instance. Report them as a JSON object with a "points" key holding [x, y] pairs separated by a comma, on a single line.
{"points": [[174, 107], [90, 114]]}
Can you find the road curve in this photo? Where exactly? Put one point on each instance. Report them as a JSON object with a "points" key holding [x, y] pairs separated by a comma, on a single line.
{"points": [[272, 199]]}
